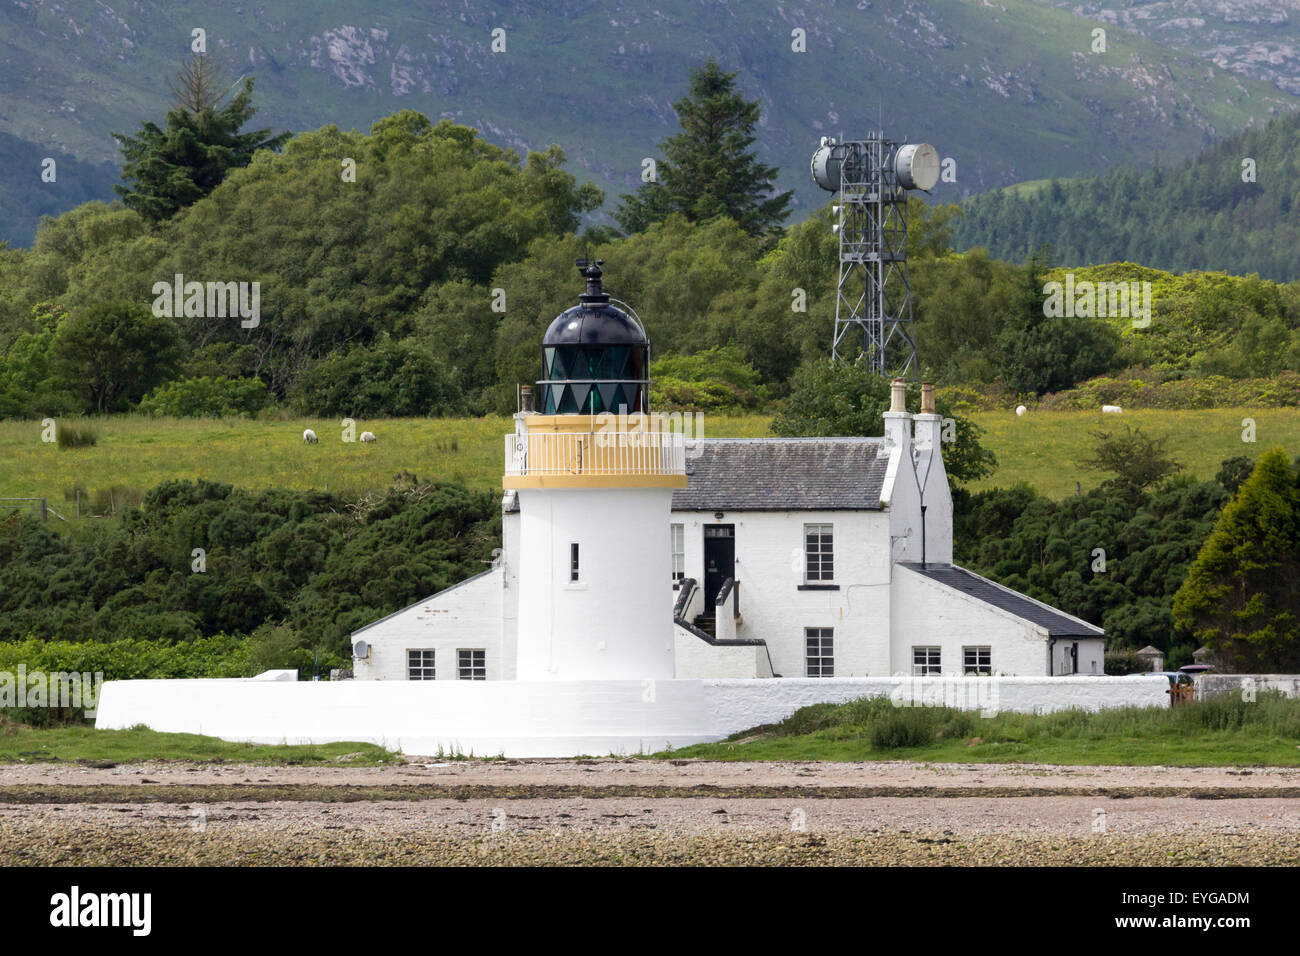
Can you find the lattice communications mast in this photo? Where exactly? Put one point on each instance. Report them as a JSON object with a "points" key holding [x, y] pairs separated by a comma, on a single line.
{"points": [[873, 301]]}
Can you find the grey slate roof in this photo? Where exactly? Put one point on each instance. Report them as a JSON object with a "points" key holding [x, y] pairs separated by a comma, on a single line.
{"points": [[1057, 623], [784, 474]]}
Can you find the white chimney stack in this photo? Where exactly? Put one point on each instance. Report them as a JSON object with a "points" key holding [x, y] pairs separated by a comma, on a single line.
{"points": [[927, 422], [898, 423]]}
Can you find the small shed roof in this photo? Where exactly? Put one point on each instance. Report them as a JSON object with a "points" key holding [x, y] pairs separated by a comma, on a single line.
{"points": [[1057, 623]]}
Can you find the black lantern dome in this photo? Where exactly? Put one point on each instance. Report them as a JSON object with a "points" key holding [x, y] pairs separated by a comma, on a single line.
{"points": [[595, 357]]}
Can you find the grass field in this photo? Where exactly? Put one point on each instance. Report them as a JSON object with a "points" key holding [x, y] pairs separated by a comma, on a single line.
{"points": [[1044, 448], [135, 453], [1219, 732], [21, 744]]}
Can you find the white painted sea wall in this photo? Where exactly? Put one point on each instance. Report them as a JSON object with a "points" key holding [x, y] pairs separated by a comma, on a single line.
{"points": [[698, 658], [558, 718], [1217, 685]]}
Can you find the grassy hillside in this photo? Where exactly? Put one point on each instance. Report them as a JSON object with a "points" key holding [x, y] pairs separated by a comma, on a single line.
{"points": [[1010, 90], [1044, 448], [135, 453]]}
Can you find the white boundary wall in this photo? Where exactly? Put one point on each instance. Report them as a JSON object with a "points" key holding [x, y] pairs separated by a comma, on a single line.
{"points": [[1216, 685], [555, 718]]}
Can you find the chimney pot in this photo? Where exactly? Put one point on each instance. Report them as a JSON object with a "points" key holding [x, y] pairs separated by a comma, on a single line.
{"points": [[526, 398], [897, 396], [927, 398]]}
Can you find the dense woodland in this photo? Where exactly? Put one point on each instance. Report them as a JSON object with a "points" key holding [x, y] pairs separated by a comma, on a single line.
{"points": [[1235, 207]]}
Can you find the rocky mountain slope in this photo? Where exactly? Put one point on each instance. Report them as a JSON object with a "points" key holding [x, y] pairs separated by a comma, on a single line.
{"points": [[1011, 89]]}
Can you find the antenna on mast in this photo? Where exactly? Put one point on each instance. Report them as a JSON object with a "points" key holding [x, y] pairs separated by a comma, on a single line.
{"points": [[873, 300]]}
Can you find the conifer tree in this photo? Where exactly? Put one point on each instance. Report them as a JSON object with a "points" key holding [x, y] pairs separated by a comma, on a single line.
{"points": [[166, 170], [1241, 598], [710, 169]]}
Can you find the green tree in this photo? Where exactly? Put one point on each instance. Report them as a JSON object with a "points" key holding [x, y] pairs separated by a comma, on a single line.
{"points": [[28, 385], [1137, 460], [1241, 598], [206, 397], [930, 228], [716, 379], [842, 398], [167, 169], [1038, 353], [710, 169], [114, 352], [392, 378]]}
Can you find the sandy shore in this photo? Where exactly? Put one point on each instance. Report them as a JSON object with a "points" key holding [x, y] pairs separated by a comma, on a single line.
{"points": [[619, 811]]}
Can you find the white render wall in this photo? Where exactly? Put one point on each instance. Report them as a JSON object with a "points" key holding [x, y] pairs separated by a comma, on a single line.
{"points": [[1091, 655], [1217, 685], [926, 613], [508, 600], [698, 658], [612, 623], [937, 496], [465, 616], [770, 569], [551, 718]]}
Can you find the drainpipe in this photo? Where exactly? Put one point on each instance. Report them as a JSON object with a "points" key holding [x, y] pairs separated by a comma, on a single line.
{"points": [[923, 535], [1051, 646]]}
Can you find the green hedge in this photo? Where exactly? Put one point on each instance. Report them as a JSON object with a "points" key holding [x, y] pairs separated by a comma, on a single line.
{"points": [[223, 655]]}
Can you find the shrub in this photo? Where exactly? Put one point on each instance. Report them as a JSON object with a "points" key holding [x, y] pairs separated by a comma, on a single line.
{"points": [[222, 655], [715, 379], [1147, 389], [917, 726], [76, 436], [204, 396], [1122, 661], [391, 379]]}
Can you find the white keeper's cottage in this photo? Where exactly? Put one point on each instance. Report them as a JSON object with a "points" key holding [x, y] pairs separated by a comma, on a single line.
{"points": [[632, 553]]}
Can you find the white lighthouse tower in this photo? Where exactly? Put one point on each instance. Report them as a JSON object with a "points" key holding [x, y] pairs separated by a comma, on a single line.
{"points": [[595, 482]]}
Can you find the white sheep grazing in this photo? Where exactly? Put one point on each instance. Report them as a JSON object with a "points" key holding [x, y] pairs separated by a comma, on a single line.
{"points": [[1020, 410], [309, 437], [367, 436], [1111, 410]]}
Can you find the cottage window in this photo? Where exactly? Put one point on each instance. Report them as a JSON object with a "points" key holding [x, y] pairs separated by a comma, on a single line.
{"points": [[977, 660], [679, 552], [471, 663], [925, 662], [819, 651], [419, 665], [819, 556]]}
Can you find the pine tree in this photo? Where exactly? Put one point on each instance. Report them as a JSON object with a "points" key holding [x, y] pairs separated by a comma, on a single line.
{"points": [[1241, 598], [169, 169], [710, 169]]}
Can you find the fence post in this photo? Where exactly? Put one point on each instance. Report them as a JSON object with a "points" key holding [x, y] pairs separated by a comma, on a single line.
{"points": [[44, 513]]}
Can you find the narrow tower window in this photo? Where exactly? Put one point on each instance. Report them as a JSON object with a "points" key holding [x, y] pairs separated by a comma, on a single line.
{"points": [[573, 561]]}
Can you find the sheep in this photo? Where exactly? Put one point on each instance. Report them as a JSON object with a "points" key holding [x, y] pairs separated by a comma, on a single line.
{"points": [[367, 436], [1111, 410], [1020, 410], [309, 437]]}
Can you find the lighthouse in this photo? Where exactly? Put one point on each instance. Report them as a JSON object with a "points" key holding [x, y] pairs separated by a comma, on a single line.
{"points": [[594, 477]]}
